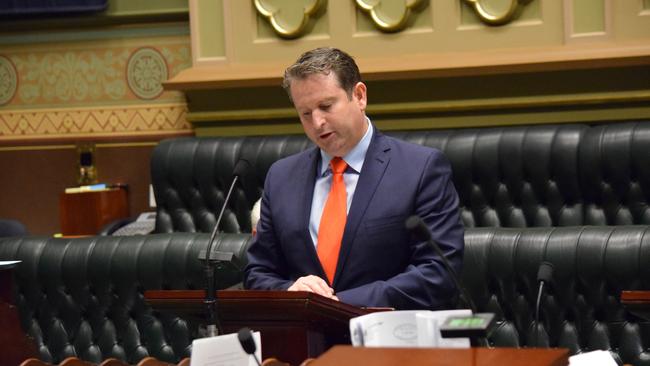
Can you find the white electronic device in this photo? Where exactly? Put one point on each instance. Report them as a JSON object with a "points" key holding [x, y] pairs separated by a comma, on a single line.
{"points": [[144, 224]]}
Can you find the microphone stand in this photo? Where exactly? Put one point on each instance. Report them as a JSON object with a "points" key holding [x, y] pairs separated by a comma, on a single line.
{"points": [[544, 275], [416, 225], [482, 341], [210, 301], [537, 306]]}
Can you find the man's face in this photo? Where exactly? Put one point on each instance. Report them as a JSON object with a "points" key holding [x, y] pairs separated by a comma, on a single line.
{"points": [[332, 120]]}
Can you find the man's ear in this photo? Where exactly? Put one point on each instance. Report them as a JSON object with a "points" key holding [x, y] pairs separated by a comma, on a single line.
{"points": [[359, 93]]}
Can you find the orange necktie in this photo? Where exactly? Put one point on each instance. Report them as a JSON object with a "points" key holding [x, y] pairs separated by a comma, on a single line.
{"points": [[332, 222]]}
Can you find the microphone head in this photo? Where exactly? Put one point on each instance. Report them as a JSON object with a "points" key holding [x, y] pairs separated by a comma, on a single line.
{"points": [[545, 272], [415, 225], [241, 167], [246, 340]]}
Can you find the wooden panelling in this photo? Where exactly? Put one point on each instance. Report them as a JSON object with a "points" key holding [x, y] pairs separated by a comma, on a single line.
{"points": [[34, 177]]}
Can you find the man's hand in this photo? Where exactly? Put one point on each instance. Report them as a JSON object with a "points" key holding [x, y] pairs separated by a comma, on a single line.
{"points": [[313, 284]]}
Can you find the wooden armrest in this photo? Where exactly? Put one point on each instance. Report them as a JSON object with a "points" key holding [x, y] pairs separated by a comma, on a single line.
{"points": [[74, 361], [112, 362], [274, 362], [34, 362], [152, 361]]}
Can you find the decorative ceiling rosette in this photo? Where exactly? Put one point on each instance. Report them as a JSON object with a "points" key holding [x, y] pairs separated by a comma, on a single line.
{"points": [[389, 15], [289, 18], [8, 80], [145, 72], [490, 18]]}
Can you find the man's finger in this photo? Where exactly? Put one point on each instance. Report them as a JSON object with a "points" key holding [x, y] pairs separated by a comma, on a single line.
{"points": [[322, 287], [313, 284]]}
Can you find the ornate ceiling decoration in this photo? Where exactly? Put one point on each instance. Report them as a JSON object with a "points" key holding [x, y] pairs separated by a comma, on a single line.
{"points": [[489, 18], [289, 18], [389, 15]]}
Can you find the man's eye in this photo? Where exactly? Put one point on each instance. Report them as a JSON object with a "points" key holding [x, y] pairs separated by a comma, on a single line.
{"points": [[306, 114], [325, 107]]}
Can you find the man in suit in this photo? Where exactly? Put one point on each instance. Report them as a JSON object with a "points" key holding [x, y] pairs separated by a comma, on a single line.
{"points": [[332, 217]]}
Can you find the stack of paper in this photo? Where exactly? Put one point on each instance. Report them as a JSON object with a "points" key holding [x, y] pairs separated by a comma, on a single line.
{"points": [[90, 188], [594, 358], [224, 350], [406, 328]]}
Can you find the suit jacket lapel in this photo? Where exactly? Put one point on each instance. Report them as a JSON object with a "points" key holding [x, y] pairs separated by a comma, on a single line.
{"points": [[307, 173], [374, 166]]}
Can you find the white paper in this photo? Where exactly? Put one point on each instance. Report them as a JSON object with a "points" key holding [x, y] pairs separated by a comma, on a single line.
{"points": [[8, 264], [224, 350], [405, 328], [594, 358]]}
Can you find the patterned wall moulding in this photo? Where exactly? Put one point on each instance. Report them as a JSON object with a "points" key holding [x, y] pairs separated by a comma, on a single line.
{"points": [[145, 72], [87, 89], [487, 16], [118, 120], [289, 18], [390, 15], [92, 76], [8, 80]]}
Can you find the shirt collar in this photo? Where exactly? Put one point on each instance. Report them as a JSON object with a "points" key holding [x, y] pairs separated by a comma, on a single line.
{"points": [[355, 157]]}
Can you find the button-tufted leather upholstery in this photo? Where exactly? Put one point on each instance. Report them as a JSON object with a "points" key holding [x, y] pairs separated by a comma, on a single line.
{"points": [[615, 174], [83, 297], [191, 177], [522, 176], [582, 310]]}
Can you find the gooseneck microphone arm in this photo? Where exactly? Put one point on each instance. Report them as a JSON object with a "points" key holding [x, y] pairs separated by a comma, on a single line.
{"points": [[544, 275], [209, 266], [415, 225]]}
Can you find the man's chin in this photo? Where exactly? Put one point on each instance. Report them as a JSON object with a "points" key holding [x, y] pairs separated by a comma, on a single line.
{"points": [[331, 147]]}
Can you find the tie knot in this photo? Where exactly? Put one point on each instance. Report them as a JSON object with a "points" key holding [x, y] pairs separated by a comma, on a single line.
{"points": [[338, 165]]}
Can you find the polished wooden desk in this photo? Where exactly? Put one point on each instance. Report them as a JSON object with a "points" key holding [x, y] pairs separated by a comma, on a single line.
{"points": [[293, 325], [85, 213], [357, 356]]}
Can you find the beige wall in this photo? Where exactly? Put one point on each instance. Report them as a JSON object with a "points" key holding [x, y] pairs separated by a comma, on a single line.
{"points": [[552, 61]]}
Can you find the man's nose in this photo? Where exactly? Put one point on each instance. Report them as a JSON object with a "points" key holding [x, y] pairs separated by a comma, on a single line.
{"points": [[318, 118]]}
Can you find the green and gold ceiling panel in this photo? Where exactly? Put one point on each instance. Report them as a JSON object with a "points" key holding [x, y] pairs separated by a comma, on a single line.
{"points": [[289, 18], [497, 12], [390, 15]]}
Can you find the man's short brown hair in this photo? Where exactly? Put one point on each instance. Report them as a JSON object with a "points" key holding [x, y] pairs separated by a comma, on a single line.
{"points": [[323, 61]]}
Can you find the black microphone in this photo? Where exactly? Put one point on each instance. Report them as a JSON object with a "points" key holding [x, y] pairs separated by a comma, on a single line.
{"points": [[247, 342], [479, 324], [544, 275], [240, 168], [415, 225], [210, 298]]}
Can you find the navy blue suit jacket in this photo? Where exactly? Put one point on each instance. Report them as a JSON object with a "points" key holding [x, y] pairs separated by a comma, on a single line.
{"points": [[380, 264]]}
